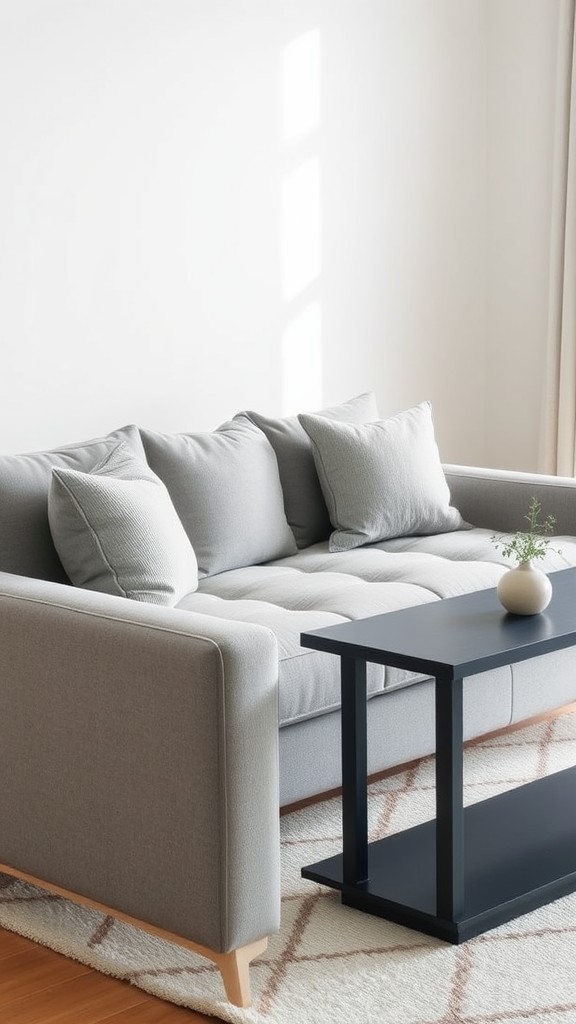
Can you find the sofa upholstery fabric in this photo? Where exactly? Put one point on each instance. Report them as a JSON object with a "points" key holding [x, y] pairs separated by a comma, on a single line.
{"points": [[317, 587], [383, 479], [117, 531], [226, 490], [138, 786], [26, 546], [303, 500]]}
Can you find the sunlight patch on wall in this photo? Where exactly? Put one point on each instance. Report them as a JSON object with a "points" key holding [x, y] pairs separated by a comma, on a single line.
{"points": [[301, 86], [301, 251], [300, 228], [302, 361]]}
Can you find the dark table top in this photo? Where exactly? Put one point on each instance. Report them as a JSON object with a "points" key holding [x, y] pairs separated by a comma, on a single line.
{"points": [[456, 636]]}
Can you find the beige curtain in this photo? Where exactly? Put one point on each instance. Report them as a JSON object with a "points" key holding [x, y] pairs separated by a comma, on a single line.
{"points": [[558, 452]]}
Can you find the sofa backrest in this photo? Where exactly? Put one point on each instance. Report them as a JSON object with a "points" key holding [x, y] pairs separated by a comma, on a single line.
{"points": [[226, 489], [26, 546], [304, 503]]}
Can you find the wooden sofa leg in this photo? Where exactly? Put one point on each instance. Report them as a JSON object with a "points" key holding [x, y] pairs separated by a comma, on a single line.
{"points": [[234, 968]]}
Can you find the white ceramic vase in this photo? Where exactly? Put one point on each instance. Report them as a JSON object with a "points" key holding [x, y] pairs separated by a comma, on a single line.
{"points": [[525, 590]]}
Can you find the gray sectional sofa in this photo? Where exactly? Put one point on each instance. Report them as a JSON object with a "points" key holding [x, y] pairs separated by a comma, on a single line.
{"points": [[147, 744]]}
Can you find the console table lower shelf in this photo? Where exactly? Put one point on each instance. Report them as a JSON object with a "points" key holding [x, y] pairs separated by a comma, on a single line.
{"points": [[519, 853]]}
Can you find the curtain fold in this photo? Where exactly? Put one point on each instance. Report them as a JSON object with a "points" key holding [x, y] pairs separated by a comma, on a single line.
{"points": [[558, 447]]}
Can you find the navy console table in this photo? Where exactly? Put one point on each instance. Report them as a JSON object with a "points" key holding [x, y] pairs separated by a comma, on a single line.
{"points": [[471, 868]]}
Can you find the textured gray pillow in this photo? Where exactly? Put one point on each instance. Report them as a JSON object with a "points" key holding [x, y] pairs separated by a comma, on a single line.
{"points": [[226, 490], [303, 501], [26, 546], [381, 480], [117, 531]]}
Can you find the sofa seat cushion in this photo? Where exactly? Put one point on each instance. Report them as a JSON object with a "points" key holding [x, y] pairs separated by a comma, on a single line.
{"points": [[316, 587], [308, 682], [437, 575], [477, 545], [339, 593], [449, 563]]}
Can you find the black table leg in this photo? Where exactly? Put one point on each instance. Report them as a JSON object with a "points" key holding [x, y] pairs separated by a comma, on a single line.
{"points": [[354, 772], [449, 800]]}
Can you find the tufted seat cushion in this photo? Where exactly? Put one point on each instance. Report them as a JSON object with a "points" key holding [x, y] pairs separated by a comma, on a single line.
{"points": [[308, 682], [316, 588]]}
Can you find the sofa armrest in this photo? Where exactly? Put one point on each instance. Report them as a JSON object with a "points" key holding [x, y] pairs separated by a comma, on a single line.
{"points": [[139, 758], [498, 499]]}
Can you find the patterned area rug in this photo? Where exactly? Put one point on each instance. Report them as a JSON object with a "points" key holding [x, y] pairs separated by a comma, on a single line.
{"points": [[334, 965]]}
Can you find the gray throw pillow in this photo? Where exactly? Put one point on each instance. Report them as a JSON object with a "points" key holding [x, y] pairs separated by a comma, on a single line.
{"points": [[226, 490], [381, 480], [117, 531], [303, 500], [26, 546]]}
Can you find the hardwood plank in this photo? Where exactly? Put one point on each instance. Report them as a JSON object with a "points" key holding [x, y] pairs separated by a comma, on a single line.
{"points": [[88, 999], [27, 999], [33, 970], [11, 943], [158, 1012]]}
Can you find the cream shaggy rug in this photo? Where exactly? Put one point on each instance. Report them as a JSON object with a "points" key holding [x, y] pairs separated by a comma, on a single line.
{"points": [[334, 965]]}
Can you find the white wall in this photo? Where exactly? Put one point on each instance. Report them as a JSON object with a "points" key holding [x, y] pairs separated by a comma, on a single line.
{"points": [[138, 213], [207, 205], [522, 49], [406, 210]]}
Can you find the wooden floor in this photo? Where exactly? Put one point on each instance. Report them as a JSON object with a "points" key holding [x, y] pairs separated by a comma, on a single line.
{"points": [[38, 986]]}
